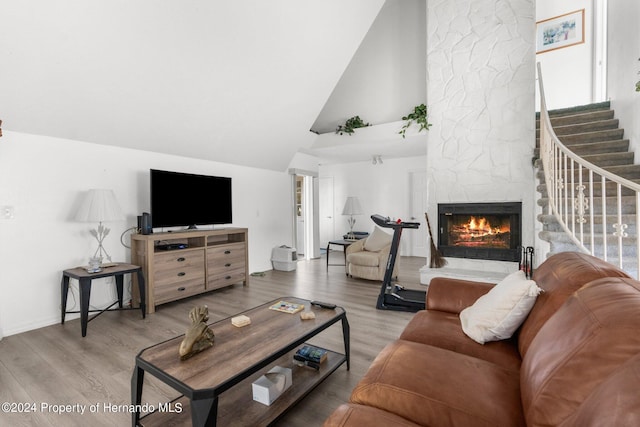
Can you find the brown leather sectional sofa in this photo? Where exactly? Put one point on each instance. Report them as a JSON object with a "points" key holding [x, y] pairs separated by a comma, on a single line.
{"points": [[575, 361]]}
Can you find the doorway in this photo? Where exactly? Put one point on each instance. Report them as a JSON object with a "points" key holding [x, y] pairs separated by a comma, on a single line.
{"points": [[305, 206], [327, 220]]}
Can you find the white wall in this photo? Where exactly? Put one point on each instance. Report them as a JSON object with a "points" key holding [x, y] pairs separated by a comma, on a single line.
{"points": [[480, 89], [567, 72], [385, 78], [43, 177], [623, 54], [381, 189]]}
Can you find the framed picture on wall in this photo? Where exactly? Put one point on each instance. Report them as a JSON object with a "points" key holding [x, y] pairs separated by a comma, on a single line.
{"points": [[560, 31]]}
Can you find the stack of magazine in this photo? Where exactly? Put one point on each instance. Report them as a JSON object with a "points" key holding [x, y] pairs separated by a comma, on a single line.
{"points": [[310, 356]]}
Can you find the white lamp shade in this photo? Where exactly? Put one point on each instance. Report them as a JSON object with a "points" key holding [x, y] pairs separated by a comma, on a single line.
{"points": [[352, 206], [98, 206]]}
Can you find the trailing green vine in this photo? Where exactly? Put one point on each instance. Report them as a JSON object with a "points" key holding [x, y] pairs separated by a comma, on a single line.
{"points": [[638, 82], [419, 116], [350, 125]]}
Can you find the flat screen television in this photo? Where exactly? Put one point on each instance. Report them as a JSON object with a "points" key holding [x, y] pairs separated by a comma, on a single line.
{"points": [[188, 200]]}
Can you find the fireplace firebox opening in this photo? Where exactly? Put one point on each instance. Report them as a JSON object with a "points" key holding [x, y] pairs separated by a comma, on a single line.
{"points": [[491, 231]]}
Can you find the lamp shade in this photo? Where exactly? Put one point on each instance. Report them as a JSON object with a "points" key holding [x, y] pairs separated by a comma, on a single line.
{"points": [[352, 206], [98, 206]]}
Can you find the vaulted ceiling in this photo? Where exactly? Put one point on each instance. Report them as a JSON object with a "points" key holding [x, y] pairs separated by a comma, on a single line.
{"points": [[240, 82]]}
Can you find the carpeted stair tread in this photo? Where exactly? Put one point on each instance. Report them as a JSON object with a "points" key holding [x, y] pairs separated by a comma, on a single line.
{"points": [[596, 136], [591, 116], [577, 128], [600, 147], [569, 111]]}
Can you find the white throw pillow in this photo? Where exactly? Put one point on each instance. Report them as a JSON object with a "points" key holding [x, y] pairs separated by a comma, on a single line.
{"points": [[378, 240], [497, 314]]}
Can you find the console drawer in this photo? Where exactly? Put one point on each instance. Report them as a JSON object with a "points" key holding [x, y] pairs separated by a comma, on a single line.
{"points": [[178, 274], [226, 251], [172, 291], [227, 278], [218, 267], [174, 261]]}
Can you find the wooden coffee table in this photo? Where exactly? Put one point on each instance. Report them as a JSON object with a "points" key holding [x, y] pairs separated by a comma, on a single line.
{"points": [[216, 384]]}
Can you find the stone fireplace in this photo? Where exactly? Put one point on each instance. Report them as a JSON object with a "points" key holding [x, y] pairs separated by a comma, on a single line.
{"points": [[488, 231]]}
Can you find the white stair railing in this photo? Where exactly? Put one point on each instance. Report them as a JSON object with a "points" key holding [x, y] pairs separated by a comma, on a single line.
{"points": [[570, 182]]}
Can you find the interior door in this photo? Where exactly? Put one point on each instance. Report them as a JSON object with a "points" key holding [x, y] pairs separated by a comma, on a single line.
{"points": [[327, 220], [300, 216], [419, 238]]}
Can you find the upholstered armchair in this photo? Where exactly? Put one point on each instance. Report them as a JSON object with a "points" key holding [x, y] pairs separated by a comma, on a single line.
{"points": [[367, 258]]}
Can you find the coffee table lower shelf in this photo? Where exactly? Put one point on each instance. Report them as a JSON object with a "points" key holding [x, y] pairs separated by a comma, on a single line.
{"points": [[237, 407]]}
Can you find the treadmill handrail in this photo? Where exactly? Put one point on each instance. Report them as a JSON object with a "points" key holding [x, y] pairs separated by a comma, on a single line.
{"points": [[387, 223]]}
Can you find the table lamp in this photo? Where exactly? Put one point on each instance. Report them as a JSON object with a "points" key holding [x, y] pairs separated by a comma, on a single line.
{"points": [[99, 206], [351, 208]]}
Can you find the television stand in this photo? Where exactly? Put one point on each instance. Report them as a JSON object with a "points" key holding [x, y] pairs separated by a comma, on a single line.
{"points": [[181, 264]]}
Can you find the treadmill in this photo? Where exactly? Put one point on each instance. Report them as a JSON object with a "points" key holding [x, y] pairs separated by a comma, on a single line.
{"points": [[395, 296]]}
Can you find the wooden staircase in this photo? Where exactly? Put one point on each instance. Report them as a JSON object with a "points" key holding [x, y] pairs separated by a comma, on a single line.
{"points": [[592, 132]]}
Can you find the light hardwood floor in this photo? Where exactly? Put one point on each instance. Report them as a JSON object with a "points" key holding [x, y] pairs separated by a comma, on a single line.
{"points": [[56, 366]]}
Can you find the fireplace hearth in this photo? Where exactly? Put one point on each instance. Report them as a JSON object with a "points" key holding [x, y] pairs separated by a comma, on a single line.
{"points": [[490, 231]]}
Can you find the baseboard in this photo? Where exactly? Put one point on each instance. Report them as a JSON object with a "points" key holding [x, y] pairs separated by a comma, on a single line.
{"points": [[41, 323]]}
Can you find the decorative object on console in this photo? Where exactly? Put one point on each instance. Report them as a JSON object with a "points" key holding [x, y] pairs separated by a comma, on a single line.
{"points": [[199, 336], [99, 206], [437, 260], [351, 207], [497, 314]]}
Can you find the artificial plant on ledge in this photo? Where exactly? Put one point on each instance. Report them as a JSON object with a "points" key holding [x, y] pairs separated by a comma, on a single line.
{"points": [[418, 115], [638, 82], [350, 125]]}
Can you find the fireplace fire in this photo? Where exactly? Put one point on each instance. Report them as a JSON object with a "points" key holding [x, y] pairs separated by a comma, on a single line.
{"points": [[489, 231], [480, 230]]}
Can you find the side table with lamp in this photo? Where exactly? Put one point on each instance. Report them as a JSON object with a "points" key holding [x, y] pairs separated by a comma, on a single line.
{"points": [[99, 205], [351, 207]]}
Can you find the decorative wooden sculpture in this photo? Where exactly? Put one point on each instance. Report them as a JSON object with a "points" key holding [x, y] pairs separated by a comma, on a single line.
{"points": [[198, 337]]}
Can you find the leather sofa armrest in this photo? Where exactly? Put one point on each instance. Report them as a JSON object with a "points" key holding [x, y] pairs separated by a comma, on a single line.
{"points": [[454, 295]]}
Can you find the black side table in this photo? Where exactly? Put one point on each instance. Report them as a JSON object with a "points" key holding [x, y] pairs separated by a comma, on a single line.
{"points": [[117, 270], [344, 243]]}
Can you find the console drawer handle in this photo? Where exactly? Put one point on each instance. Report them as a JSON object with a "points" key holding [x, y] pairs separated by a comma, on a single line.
{"points": [[227, 252], [181, 259], [227, 265], [182, 288], [227, 278], [182, 273]]}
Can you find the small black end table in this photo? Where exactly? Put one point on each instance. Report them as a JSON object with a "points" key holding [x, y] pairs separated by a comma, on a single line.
{"points": [[117, 270], [344, 243]]}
